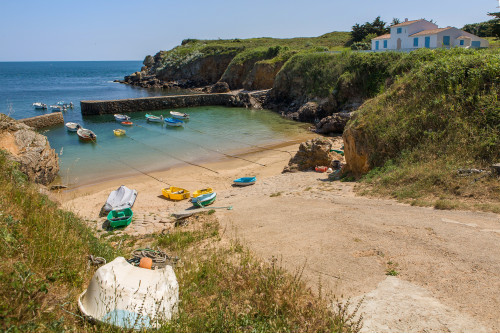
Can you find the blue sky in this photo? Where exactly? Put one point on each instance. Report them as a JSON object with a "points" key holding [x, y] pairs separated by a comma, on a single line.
{"points": [[131, 29]]}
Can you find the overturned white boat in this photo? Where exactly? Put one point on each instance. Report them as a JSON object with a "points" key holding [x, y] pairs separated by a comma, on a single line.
{"points": [[120, 199], [127, 296]]}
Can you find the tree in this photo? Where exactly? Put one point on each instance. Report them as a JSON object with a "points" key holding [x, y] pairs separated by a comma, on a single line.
{"points": [[395, 21], [495, 30], [377, 27]]}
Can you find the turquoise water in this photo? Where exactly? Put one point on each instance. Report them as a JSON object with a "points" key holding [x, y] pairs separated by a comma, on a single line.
{"points": [[211, 132]]}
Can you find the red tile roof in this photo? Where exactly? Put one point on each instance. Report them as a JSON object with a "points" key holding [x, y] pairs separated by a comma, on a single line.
{"points": [[402, 24], [386, 36], [429, 32]]}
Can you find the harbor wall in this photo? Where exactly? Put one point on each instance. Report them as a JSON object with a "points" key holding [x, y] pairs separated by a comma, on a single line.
{"points": [[239, 99], [44, 121]]}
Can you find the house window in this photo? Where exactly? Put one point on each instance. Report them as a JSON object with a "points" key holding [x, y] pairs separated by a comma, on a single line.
{"points": [[385, 44], [446, 40], [376, 45], [400, 30], [415, 42], [462, 42]]}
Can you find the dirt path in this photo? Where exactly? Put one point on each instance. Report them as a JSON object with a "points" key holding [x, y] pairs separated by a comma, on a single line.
{"points": [[448, 262]]}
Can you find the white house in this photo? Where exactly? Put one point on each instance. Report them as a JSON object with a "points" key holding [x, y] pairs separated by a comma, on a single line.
{"points": [[411, 35]]}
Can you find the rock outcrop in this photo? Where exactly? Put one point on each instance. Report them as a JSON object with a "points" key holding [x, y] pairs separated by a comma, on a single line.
{"points": [[262, 75], [356, 152], [333, 124], [312, 153], [32, 150]]}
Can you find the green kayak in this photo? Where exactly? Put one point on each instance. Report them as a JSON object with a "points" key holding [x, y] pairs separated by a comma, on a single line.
{"points": [[120, 218]]}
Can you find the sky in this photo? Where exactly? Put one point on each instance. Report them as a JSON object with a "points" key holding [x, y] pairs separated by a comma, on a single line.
{"points": [[55, 30]]}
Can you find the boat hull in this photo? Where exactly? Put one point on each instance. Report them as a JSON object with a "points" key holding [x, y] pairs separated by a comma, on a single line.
{"points": [[179, 115], [245, 181], [204, 200], [72, 127], [175, 194], [173, 122], [202, 192], [86, 135]]}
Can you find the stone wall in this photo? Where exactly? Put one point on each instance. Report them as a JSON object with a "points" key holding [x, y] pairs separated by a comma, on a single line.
{"points": [[239, 99], [44, 121]]}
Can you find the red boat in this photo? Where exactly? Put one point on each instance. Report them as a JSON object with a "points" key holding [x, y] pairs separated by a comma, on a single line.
{"points": [[127, 123]]}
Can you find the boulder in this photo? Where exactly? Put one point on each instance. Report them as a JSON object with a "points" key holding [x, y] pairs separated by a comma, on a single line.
{"points": [[219, 87], [308, 112], [333, 124], [30, 149], [356, 151], [312, 153], [148, 61]]}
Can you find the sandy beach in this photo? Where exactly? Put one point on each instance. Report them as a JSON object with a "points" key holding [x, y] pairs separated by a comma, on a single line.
{"points": [[446, 263]]}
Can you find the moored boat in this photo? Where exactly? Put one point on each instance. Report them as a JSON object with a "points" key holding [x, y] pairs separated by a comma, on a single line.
{"points": [[119, 132], [204, 200], [72, 127], [179, 115], [40, 105], [173, 122], [175, 193], [86, 134], [57, 108], [121, 118], [118, 218], [245, 181], [153, 118], [202, 192], [127, 123]]}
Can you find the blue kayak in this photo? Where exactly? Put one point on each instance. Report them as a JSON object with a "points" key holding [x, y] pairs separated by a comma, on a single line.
{"points": [[245, 181], [173, 122]]}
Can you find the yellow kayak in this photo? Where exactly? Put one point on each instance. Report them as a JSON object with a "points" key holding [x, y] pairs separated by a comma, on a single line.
{"points": [[175, 193], [119, 132], [202, 192]]}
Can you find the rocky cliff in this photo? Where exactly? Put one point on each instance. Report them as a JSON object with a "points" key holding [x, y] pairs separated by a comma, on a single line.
{"points": [[32, 150]]}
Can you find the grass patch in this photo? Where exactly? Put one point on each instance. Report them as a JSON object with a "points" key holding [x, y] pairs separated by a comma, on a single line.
{"points": [[276, 194]]}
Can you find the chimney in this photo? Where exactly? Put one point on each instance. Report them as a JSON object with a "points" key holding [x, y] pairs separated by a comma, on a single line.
{"points": [[406, 19]]}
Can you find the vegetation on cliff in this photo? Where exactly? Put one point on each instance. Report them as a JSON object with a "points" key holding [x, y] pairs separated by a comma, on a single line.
{"points": [[441, 114]]}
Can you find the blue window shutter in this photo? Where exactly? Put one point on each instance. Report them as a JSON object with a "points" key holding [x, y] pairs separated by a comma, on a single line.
{"points": [[376, 45], [399, 30], [415, 41], [461, 42], [446, 40], [427, 42], [385, 44]]}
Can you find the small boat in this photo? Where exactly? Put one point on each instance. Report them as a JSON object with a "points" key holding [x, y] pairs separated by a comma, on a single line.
{"points": [[121, 118], [321, 169], [119, 132], [179, 115], [60, 103], [120, 199], [245, 181], [173, 122], [175, 193], [127, 123], [204, 200], [40, 105], [72, 127], [202, 192], [118, 218], [57, 108], [86, 134], [153, 118]]}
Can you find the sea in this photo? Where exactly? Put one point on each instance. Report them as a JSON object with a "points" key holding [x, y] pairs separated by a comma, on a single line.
{"points": [[212, 133]]}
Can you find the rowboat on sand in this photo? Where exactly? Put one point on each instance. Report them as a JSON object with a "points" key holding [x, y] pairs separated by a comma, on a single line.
{"points": [[204, 200], [118, 218], [245, 181], [202, 192], [175, 193]]}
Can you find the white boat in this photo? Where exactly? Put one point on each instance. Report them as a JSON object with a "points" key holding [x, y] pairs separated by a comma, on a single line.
{"points": [[86, 134], [72, 127], [39, 105], [179, 115], [121, 118], [58, 108], [153, 118]]}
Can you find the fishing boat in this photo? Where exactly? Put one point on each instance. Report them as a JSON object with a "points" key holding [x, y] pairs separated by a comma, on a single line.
{"points": [[118, 218], [179, 115], [40, 105], [245, 181], [72, 127], [119, 132], [175, 193], [204, 200], [127, 123], [57, 108], [173, 122], [121, 118], [202, 192], [86, 134], [153, 118]]}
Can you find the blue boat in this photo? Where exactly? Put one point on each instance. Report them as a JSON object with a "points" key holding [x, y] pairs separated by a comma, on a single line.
{"points": [[245, 181], [173, 122], [204, 200]]}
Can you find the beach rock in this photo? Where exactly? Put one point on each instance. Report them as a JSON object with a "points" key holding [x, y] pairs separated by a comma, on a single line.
{"points": [[312, 153], [30, 149], [356, 152], [307, 112], [148, 61], [219, 87], [333, 124]]}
